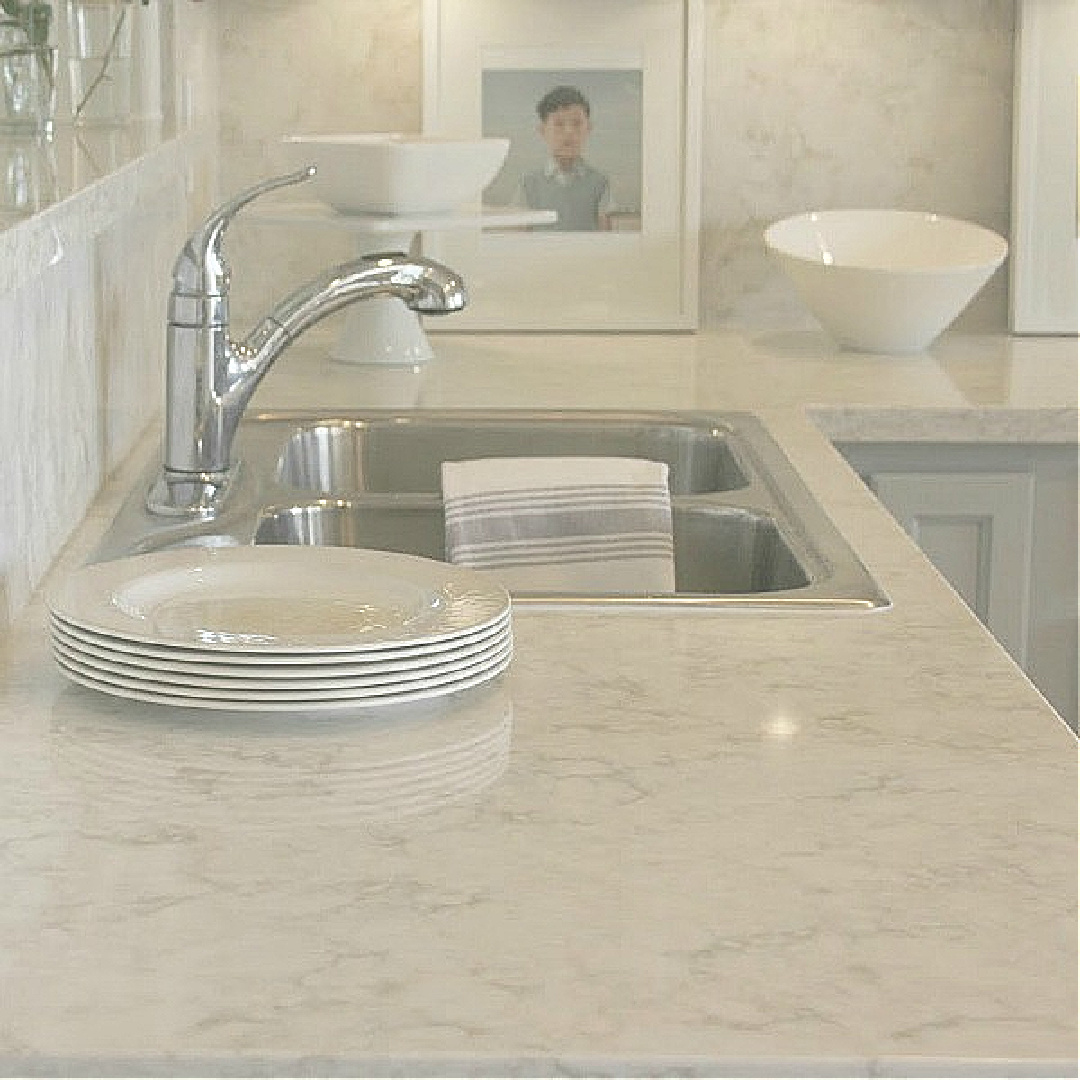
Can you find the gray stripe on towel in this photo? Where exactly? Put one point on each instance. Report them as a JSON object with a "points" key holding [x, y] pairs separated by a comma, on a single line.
{"points": [[492, 528], [567, 549]]}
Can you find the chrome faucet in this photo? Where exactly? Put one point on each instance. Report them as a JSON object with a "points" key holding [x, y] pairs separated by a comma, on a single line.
{"points": [[210, 378]]}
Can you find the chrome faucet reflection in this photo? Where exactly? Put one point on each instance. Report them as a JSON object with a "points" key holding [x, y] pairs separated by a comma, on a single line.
{"points": [[210, 378]]}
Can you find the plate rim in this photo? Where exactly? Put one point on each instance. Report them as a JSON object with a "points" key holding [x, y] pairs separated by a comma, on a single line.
{"points": [[68, 598], [270, 664]]}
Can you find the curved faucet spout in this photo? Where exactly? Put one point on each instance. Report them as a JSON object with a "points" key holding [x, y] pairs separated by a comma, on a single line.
{"points": [[424, 285], [210, 379]]}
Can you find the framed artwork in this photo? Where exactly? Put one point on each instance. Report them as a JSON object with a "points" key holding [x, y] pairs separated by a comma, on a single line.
{"points": [[601, 103], [1044, 252]]}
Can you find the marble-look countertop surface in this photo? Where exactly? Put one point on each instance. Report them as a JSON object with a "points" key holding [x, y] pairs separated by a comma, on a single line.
{"points": [[699, 843]]}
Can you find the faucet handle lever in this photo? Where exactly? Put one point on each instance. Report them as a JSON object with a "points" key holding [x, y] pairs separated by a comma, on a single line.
{"points": [[204, 246]]}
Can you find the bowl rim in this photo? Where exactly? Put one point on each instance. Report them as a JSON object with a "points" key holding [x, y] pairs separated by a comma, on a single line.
{"points": [[991, 263]]}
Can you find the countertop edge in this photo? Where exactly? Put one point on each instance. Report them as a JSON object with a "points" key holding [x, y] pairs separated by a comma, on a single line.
{"points": [[955, 424], [530, 1065]]}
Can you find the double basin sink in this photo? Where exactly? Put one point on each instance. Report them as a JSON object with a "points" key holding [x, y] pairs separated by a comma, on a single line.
{"points": [[747, 532]]}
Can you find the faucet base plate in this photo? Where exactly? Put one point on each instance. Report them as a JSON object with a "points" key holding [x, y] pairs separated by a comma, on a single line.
{"points": [[189, 495]]}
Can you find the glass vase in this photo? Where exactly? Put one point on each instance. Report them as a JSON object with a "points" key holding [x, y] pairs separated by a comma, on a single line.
{"points": [[28, 177], [99, 60], [27, 83]]}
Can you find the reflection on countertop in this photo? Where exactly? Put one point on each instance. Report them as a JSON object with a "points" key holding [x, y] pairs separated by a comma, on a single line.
{"points": [[187, 768]]}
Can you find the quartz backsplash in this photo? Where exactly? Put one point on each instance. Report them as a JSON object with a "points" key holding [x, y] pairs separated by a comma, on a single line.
{"points": [[807, 105]]}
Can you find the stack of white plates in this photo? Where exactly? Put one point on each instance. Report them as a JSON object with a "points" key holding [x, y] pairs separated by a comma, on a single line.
{"points": [[279, 628]]}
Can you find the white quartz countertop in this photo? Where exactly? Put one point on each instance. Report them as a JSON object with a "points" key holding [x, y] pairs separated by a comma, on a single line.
{"points": [[719, 843]]}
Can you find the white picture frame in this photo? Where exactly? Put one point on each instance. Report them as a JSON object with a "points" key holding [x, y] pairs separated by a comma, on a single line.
{"points": [[483, 62], [1044, 252]]}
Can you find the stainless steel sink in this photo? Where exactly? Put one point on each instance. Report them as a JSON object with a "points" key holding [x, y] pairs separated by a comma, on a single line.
{"points": [[747, 531]]}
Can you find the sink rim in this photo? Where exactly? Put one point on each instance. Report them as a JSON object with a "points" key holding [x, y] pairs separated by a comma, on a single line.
{"points": [[839, 581], [720, 442]]}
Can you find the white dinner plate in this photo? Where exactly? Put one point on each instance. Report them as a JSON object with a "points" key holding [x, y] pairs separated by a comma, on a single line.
{"points": [[225, 662], [309, 678], [278, 598], [245, 704]]}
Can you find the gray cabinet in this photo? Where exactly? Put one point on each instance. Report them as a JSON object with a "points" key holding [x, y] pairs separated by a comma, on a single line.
{"points": [[1000, 524]]}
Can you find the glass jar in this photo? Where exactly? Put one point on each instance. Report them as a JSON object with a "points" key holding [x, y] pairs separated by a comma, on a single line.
{"points": [[27, 70], [98, 40], [28, 177]]}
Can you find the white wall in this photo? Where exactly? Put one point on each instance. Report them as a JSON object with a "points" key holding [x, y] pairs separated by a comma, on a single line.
{"points": [[902, 103]]}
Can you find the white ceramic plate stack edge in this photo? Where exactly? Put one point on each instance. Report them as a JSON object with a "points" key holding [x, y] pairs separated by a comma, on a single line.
{"points": [[279, 627]]}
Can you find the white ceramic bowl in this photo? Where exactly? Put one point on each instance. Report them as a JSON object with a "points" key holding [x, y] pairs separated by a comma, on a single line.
{"points": [[394, 173], [885, 280]]}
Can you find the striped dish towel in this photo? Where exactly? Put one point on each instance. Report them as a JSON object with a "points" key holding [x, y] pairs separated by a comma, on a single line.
{"points": [[562, 524]]}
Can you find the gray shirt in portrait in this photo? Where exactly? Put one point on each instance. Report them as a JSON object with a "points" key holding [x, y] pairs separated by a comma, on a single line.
{"points": [[578, 196]]}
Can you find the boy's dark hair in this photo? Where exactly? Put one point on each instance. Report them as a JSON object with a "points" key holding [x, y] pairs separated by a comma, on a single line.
{"points": [[559, 98]]}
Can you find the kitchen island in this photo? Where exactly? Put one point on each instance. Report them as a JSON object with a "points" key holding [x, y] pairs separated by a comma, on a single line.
{"points": [[715, 843]]}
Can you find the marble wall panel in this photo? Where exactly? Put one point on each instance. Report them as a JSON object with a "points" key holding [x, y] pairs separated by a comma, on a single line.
{"points": [[900, 103], [50, 393], [82, 313], [80, 378]]}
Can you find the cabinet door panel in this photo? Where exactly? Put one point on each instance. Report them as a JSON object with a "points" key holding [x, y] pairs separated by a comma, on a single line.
{"points": [[976, 528]]}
